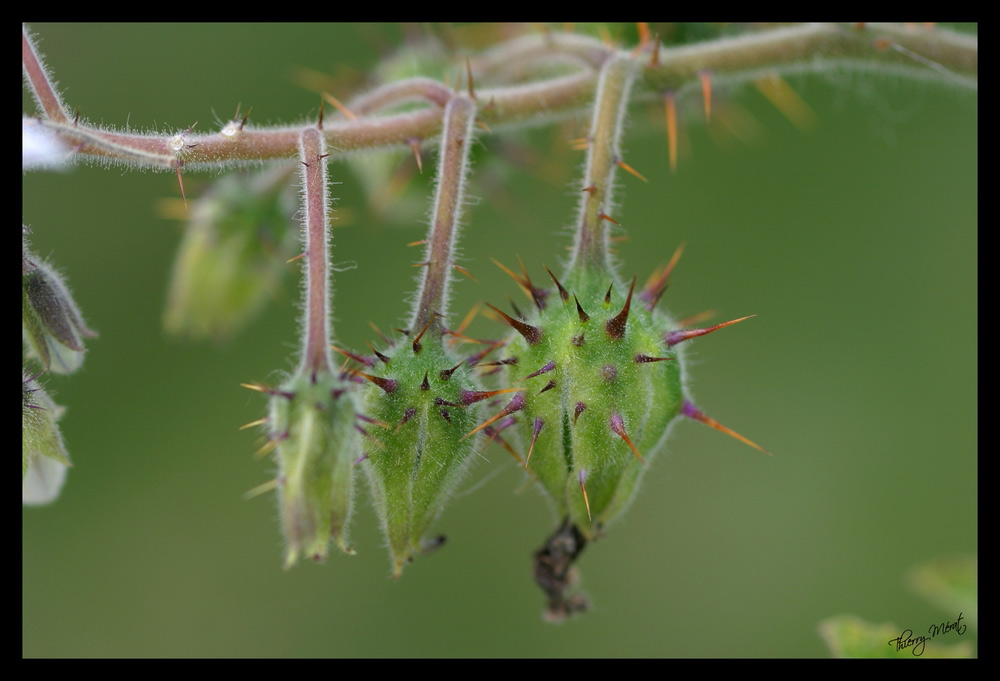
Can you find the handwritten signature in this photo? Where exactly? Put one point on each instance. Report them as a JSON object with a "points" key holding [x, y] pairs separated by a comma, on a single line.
{"points": [[907, 640]]}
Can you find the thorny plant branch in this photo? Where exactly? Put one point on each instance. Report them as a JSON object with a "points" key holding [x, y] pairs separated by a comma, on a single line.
{"points": [[938, 53]]}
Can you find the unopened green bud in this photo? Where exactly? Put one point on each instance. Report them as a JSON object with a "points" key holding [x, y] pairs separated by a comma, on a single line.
{"points": [[421, 418], [51, 322], [601, 389], [43, 456], [233, 255], [312, 422]]}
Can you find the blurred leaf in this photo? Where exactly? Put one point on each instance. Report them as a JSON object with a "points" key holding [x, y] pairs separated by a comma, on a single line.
{"points": [[851, 636], [951, 583]]}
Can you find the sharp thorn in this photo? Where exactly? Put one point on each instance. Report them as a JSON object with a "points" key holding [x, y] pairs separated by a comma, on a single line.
{"points": [[531, 334], [357, 358], [537, 428], [693, 412], [629, 169], [583, 489], [562, 292], [389, 385], [415, 145], [616, 325], [618, 427], [467, 397], [180, 183], [516, 404], [468, 71], [258, 422], [262, 488], [671, 115], [674, 337], [416, 341], [545, 369], [340, 107], [705, 76]]}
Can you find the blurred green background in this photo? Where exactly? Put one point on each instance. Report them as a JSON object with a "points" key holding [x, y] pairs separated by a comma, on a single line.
{"points": [[853, 243]]}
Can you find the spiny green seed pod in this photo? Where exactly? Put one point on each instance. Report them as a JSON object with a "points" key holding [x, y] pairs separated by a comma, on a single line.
{"points": [[312, 423], [233, 255], [51, 322], [601, 388], [421, 418], [43, 456]]}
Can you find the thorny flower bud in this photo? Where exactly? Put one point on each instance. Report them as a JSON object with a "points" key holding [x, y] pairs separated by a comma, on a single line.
{"points": [[596, 402], [421, 412], [51, 322], [43, 456], [312, 423], [233, 255]]}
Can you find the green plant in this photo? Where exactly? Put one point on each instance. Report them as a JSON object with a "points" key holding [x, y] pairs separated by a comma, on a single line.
{"points": [[590, 288]]}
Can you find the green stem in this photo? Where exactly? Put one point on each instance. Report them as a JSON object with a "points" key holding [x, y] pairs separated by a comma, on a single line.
{"points": [[453, 168], [591, 245]]}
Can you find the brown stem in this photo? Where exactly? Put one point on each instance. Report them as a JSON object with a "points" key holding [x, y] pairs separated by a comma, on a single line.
{"points": [[316, 349]]}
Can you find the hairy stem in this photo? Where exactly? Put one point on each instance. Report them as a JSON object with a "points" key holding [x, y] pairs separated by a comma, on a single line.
{"points": [[43, 89], [591, 246], [522, 100], [453, 167], [316, 348]]}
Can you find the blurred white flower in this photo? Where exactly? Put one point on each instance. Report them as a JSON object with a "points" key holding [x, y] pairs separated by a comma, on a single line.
{"points": [[40, 147], [43, 481]]}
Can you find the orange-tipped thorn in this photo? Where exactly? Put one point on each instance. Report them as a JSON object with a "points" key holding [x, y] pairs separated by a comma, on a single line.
{"points": [[654, 59], [534, 437], [465, 272], [629, 169], [387, 384], [180, 182], [618, 427], [657, 282], [516, 404], [469, 316], [605, 216], [675, 337], [468, 71], [671, 114], [258, 422], [340, 107], [583, 488], [415, 145], [531, 334], [693, 412], [262, 488], [256, 386], [416, 341], [356, 358], [265, 449], [706, 91]]}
